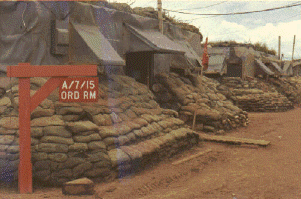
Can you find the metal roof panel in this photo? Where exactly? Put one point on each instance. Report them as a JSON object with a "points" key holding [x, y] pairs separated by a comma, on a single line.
{"points": [[99, 45], [264, 67]]}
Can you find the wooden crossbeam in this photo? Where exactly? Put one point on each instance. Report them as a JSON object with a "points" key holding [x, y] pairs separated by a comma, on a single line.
{"points": [[27, 70], [232, 140]]}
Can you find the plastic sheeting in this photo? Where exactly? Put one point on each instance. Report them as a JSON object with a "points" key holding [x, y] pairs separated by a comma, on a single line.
{"points": [[25, 32]]}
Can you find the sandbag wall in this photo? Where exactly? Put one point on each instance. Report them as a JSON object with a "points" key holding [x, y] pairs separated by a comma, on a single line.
{"points": [[123, 132], [289, 87], [254, 95], [198, 95]]}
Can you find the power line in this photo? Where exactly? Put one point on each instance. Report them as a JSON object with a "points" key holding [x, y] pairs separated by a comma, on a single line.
{"points": [[190, 20], [203, 7], [236, 13]]}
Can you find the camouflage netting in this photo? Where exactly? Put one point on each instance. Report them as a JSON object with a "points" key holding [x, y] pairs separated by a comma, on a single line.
{"points": [[123, 132], [198, 95], [254, 95]]}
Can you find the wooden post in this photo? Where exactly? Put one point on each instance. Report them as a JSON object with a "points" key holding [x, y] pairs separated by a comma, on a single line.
{"points": [[279, 47], [160, 18], [28, 104], [293, 48], [292, 62], [194, 118], [25, 166]]}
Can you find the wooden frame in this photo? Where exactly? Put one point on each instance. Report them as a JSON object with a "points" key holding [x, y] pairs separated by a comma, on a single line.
{"points": [[27, 104]]}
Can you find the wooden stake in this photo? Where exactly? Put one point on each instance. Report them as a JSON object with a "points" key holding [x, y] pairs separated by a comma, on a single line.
{"points": [[191, 157], [194, 118], [293, 48], [279, 47], [160, 18]]}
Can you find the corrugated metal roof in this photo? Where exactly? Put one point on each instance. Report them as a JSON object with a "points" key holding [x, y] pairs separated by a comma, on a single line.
{"points": [[190, 54], [264, 67], [99, 45], [156, 40], [216, 63], [217, 59]]}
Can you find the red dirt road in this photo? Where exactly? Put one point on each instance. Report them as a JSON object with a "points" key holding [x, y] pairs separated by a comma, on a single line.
{"points": [[228, 171]]}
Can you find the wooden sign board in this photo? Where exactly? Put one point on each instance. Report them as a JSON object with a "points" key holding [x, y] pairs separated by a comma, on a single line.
{"points": [[79, 89]]}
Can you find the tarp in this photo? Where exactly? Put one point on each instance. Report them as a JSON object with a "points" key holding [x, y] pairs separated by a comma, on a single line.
{"points": [[133, 33], [264, 67], [26, 33]]}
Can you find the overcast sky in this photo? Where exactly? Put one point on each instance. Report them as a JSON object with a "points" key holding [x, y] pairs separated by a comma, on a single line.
{"points": [[264, 27]]}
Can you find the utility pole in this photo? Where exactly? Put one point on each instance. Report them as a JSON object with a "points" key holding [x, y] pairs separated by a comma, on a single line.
{"points": [[279, 47], [293, 48], [160, 18]]}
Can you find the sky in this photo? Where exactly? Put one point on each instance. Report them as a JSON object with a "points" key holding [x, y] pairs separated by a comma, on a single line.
{"points": [[263, 27]]}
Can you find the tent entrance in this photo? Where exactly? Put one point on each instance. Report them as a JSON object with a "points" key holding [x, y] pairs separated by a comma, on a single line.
{"points": [[234, 70], [139, 65]]}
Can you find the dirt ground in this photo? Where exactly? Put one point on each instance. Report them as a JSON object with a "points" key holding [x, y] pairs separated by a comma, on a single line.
{"points": [[228, 171]]}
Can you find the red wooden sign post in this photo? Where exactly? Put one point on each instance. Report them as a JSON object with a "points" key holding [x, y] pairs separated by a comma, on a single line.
{"points": [[27, 104]]}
